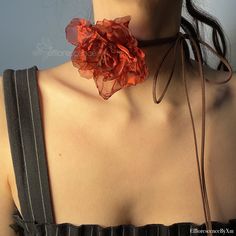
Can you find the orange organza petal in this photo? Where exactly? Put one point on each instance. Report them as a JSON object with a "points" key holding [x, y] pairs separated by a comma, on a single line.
{"points": [[78, 30], [108, 53]]}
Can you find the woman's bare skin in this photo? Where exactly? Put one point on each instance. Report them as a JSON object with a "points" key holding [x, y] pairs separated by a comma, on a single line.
{"points": [[109, 166], [127, 159]]}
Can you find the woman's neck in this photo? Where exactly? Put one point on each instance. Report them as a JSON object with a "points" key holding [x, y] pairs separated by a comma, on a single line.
{"points": [[150, 19]]}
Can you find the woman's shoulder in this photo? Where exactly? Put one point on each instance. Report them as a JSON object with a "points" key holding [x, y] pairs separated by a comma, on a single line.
{"points": [[225, 103], [230, 88], [64, 77], [221, 88]]}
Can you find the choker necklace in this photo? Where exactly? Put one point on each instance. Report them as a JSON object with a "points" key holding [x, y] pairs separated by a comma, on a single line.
{"points": [[108, 53]]}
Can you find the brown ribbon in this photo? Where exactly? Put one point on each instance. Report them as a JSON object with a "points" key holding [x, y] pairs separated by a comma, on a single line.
{"points": [[179, 39]]}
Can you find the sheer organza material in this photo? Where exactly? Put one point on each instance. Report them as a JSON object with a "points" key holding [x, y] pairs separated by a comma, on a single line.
{"points": [[108, 53]]}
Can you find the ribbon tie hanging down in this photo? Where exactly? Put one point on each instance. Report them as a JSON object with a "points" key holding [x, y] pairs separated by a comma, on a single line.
{"points": [[179, 41]]}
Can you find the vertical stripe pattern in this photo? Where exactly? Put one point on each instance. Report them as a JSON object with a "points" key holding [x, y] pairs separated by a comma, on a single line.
{"points": [[26, 138]]}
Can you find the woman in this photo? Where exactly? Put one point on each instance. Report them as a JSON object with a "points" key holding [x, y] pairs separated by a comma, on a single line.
{"points": [[125, 161]]}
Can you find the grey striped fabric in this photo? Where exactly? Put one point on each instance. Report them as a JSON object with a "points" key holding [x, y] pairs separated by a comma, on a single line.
{"points": [[24, 122], [27, 144]]}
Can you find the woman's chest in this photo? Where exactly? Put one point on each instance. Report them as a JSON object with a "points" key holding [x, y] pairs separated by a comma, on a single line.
{"points": [[110, 174]]}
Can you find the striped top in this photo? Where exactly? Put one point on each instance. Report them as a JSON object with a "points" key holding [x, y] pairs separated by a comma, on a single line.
{"points": [[24, 122]]}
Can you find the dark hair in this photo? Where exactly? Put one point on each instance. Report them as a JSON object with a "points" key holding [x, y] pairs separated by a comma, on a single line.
{"points": [[202, 17]]}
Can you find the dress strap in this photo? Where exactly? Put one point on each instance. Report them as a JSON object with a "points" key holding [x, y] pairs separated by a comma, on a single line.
{"points": [[22, 104]]}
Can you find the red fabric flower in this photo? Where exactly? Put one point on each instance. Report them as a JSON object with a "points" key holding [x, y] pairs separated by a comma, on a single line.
{"points": [[108, 53]]}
